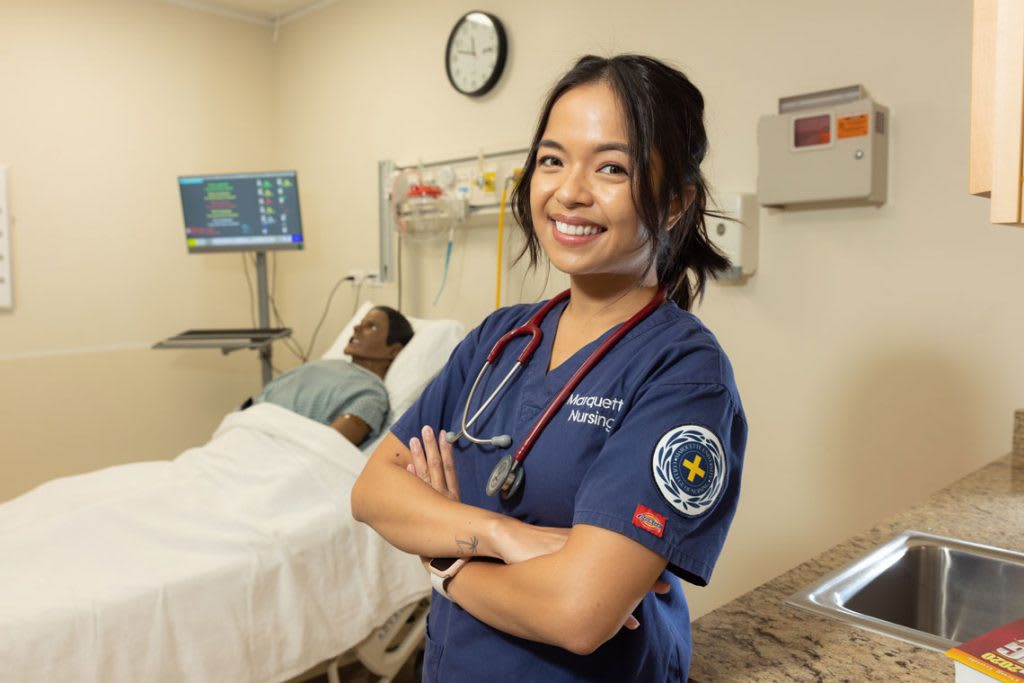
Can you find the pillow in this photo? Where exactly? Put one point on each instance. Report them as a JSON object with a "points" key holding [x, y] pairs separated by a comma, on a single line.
{"points": [[421, 359]]}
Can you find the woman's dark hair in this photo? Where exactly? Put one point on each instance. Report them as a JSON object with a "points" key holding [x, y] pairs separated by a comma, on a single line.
{"points": [[399, 328], [664, 115]]}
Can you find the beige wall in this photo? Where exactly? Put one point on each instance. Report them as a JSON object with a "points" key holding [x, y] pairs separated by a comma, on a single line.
{"points": [[104, 103], [875, 348]]}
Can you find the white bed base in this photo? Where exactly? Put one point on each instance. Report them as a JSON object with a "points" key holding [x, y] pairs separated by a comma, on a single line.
{"points": [[385, 651]]}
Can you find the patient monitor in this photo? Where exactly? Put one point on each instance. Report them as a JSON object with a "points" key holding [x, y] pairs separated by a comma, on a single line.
{"points": [[824, 149], [241, 212]]}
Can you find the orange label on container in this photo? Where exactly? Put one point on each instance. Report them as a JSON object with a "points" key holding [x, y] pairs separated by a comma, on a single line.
{"points": [[851, 126]]}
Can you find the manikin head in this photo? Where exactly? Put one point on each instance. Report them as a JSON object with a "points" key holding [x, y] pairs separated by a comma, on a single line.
{"points": [[378, 338]]}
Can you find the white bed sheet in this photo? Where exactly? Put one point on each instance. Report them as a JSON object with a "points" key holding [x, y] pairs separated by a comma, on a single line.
{"points": [[237, 561]]}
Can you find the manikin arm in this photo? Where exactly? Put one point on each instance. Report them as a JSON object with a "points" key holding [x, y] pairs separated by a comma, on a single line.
{"points": [[352, 427]]}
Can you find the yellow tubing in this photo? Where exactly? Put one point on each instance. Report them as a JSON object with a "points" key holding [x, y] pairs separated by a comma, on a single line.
{"points": [[501, 244]]}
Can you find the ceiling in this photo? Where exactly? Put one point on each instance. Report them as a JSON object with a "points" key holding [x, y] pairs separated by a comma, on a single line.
{"points": [[258, 11]]}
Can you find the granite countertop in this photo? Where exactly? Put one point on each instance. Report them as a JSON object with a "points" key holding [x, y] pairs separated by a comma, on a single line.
{"points": [[758, 638]]}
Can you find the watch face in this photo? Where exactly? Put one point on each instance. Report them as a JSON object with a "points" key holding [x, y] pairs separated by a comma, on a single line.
{"points": [[476, 53]]}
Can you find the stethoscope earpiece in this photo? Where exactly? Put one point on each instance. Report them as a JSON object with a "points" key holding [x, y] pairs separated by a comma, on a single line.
{"points": [[500, 441]]}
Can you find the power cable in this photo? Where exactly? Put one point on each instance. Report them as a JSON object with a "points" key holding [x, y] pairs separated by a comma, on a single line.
{"points": [[327, 307]]}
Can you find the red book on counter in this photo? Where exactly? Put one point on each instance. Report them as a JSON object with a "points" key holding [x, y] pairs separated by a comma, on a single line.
{"points": [[998, 655]]}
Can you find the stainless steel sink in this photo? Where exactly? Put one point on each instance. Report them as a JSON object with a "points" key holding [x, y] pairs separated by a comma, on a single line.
{"points": [[930, 591]]}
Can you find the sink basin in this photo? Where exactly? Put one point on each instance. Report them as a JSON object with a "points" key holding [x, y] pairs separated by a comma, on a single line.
{"points": [[930, 591]]}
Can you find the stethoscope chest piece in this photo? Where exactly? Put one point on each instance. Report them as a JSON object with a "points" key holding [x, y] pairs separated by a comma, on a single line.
{"points": [[506, 478]]}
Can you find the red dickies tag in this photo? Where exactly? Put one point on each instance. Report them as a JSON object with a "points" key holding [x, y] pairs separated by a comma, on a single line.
{"points": [[649, 520]]}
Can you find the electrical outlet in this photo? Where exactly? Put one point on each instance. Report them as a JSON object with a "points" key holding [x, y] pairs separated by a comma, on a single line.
{"points": [[361, 277]]}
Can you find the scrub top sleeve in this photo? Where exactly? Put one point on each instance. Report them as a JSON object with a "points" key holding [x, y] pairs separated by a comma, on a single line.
{"points": [[437, 404], [669, 476]]}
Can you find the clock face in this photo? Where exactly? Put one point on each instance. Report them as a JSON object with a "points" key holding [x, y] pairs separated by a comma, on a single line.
{"points": [[476, 53]]}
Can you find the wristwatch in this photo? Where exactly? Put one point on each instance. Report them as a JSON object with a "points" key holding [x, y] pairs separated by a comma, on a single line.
{"points": [[442, 569]]}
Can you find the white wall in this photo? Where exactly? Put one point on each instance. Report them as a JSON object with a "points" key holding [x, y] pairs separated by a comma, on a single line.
{"points": [[875, 348], [104, 103]]}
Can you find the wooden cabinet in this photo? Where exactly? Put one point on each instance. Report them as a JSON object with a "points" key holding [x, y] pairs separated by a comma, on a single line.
{"points": [[997, 107]]}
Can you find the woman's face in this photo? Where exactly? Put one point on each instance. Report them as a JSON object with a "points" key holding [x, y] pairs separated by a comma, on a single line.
{"points": [[580, 194]]}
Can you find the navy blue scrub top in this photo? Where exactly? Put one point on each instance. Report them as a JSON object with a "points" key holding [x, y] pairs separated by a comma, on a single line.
{"points": [[649, 445]]}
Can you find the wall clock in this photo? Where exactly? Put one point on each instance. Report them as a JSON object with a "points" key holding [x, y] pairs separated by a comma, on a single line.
{"points": [[476, 52]]}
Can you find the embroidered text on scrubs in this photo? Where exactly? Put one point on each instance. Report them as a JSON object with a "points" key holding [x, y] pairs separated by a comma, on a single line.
{"points": [[596, 404], [602, 402]]}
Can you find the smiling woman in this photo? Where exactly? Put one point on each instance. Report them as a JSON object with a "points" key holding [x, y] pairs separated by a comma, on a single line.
{"points": [[635, 463]]}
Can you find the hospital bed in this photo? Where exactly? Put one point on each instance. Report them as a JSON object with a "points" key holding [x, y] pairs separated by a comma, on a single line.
{"points": [[238, 560]]}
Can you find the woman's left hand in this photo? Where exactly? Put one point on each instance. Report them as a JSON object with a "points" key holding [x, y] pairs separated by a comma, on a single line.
{"points": [[432, 462]]}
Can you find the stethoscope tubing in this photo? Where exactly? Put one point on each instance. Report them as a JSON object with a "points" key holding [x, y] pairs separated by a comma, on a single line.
{"points": [[465, 410], [532, 328], [559, 400]]}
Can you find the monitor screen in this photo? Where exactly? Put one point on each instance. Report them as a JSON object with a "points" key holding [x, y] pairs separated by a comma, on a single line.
{"points": [[241, 211]]}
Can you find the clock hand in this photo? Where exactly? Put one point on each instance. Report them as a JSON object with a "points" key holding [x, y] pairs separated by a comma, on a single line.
{"points": [[472, 42]]}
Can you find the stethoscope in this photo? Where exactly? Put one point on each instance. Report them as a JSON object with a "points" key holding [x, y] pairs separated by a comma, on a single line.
{"points": [[507, 476]]}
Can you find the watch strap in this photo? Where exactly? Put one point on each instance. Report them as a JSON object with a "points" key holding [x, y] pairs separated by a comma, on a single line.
{"points": [[440, 584], [439, 580]]}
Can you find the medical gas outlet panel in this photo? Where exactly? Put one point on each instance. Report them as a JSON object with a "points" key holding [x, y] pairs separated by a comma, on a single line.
{"points": [[428, 200], [824, 149]]}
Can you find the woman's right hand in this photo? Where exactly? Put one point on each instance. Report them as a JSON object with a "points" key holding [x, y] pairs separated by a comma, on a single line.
{"points": [[432, 462]]}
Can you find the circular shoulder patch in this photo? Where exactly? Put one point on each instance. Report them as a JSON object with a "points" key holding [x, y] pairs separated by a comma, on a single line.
{"points": [[689, 469]]}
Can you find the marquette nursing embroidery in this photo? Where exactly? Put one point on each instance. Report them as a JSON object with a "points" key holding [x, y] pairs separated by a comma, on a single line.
{"points": [[689, 469]]}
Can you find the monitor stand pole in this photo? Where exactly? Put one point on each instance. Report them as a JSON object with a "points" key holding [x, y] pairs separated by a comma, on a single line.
{"points": [[264, 306]]}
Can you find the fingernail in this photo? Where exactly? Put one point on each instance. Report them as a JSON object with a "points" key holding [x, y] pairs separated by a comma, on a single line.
{"points": [[443, 436], [427, 432], [414, 443]]}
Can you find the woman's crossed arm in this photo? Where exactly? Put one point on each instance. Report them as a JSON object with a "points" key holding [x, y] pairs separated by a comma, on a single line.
{"points": [[571, 588]]}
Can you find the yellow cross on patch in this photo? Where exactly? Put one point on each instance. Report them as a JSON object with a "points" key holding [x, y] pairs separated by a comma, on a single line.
{"points": [[694, 467]]}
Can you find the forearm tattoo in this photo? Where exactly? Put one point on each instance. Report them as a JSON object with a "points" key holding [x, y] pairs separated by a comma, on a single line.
{"points": [[467, 547]]}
